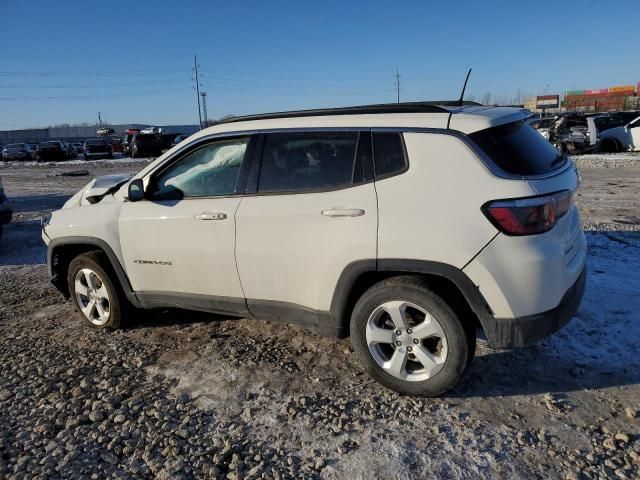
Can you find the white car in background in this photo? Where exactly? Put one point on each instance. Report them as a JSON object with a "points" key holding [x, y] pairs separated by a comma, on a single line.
{"points": [[622, 138]]}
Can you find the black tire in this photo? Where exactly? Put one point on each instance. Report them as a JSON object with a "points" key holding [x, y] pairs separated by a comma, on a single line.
{"points": [[460, 340], [118, 303], [610, 145]]}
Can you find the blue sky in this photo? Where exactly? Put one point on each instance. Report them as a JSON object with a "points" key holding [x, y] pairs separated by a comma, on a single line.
{"points": [[63, 61]]}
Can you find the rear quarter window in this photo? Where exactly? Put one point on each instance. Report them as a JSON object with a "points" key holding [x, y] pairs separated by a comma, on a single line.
{"points": [[388, 154], [518, 149]]}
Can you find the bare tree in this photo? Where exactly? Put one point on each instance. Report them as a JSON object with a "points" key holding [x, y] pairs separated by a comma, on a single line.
{"points": [[486, 98]]}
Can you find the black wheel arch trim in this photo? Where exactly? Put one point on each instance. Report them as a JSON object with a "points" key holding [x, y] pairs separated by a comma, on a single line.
{"points": [[123, 279], [354, 270]]}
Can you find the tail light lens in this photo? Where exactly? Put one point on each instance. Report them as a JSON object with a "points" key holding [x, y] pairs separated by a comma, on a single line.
{"points": [[528, 216]]}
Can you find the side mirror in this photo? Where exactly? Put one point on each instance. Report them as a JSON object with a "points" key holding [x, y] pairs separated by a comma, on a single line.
{"points": [[136, 190]]}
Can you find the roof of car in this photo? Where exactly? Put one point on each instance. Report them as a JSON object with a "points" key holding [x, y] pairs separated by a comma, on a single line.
{"points": [[467, 118]]}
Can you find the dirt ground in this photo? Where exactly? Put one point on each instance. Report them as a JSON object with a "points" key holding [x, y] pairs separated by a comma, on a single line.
{"points": [[181, 395]]}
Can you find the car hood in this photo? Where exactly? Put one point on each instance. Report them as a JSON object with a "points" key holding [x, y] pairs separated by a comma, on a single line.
{"points": [[96, 190]]}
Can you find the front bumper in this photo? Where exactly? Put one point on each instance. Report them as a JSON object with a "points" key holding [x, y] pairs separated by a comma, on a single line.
{"points": [[523, 331]]}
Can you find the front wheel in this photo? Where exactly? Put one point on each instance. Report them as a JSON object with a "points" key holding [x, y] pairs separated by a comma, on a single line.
{"points": [[409, 339], [94, 292]]}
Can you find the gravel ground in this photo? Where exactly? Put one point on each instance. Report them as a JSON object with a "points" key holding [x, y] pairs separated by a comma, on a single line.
{"points": [[187, 395]]}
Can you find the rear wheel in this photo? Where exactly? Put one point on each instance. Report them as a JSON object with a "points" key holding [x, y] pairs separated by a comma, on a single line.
{"points": [[409, 339], [94, 293]]}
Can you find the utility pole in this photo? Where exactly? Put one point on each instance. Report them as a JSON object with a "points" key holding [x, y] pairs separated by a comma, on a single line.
{"points": [[99, 119], [197, 79], [204, 108], [398, 84]]}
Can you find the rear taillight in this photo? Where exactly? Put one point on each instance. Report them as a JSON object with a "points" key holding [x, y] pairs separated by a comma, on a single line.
{"points": [[528, 216]]}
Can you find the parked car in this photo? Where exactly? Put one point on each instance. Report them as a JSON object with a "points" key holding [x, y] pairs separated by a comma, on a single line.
{"points": [[624, 137], [179, 138], [146, 145], [97, 148], [71, 151], [541, 125], [53, 150], [116, 143], [17, 151], [5, 209], [345, 221], [126, 140], [579, 132]]}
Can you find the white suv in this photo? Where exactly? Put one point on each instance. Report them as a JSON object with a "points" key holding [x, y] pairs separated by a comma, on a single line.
{"points": [[404, 226]]}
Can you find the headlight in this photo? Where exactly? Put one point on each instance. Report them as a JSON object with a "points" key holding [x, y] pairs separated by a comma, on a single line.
{"points": [[45, 219]]}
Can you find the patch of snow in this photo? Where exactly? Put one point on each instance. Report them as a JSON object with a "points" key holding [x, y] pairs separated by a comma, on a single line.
{"points": [[606, 330]]}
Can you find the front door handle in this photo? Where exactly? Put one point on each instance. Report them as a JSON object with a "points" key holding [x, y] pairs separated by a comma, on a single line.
{"points": [[343, 212], [211, 216]]}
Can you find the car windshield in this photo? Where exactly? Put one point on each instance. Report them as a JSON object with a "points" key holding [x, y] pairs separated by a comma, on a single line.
{"points": [[518, 149], [97, 141], [50, 144], [16, 145]]}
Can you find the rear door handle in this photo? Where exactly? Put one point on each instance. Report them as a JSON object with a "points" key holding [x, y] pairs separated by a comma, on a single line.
{"points": [[343, 212], [211, 216]]}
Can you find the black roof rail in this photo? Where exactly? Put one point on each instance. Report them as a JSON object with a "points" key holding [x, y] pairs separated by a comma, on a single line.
{"points": [[405, 107]]}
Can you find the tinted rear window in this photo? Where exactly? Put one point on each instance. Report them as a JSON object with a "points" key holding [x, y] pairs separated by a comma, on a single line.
{"points": [[518, 149]]}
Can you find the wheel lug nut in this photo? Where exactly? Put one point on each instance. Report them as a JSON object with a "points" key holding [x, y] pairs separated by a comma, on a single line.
{"points": [[398, 332], [409, 349], [409, 331], [416, 341], [399, 343]]}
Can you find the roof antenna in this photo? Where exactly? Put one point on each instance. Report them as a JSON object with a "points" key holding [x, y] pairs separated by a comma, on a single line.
{"points": [[464, 87], [459, 103]]}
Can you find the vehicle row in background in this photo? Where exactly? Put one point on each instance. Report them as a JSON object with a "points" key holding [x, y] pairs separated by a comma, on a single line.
{"points": [[576, 133]]}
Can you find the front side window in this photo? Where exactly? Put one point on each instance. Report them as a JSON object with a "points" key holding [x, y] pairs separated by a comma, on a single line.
{"points": [[209, 170], [302, 161]]}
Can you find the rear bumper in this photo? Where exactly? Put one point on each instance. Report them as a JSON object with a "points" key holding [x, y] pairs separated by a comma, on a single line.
{"points": [[523, 331]]}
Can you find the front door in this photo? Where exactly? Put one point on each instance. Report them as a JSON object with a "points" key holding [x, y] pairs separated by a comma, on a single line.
{"points": [[179, 242]]}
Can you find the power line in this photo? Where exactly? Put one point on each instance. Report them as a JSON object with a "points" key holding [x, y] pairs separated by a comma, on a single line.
{"points": [[94, 74]]}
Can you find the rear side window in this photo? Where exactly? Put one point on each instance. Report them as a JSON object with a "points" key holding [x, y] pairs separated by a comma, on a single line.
{"points": [[518, 149], [308, 160], [388, 154]]}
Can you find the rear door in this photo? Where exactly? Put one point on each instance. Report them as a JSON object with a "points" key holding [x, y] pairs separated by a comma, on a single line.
{"points": [[312, 213]]}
